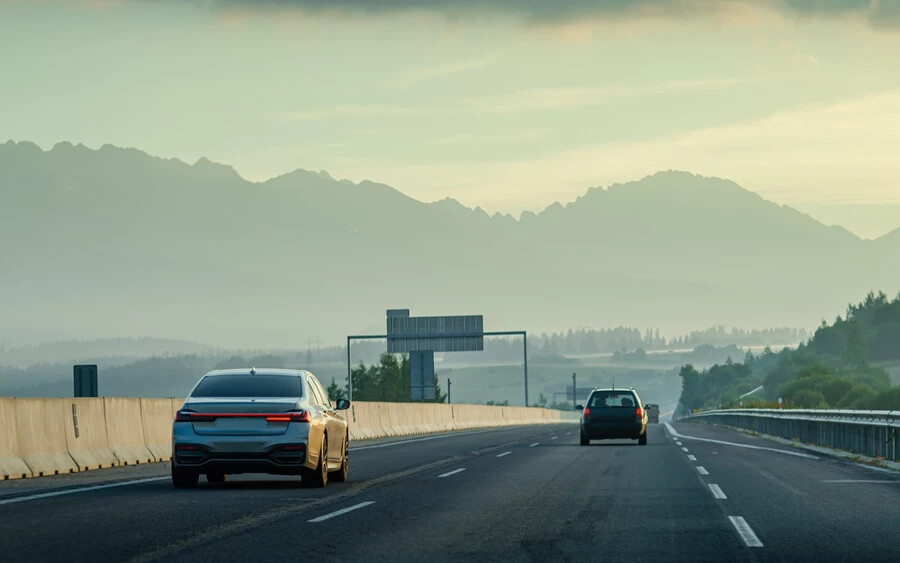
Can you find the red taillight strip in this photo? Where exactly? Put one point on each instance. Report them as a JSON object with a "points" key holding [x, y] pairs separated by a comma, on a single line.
{"points": [[299, 416]]}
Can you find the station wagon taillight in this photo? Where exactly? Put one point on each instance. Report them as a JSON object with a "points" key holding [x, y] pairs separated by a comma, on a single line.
{"points": [[587, 412], [639, 414]]}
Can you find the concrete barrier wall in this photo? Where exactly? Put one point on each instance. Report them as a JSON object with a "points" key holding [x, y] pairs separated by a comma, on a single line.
{"points": [[156, 420], [126, 430], [41, 436], [45, 437], [11, 465], [87, 439]]}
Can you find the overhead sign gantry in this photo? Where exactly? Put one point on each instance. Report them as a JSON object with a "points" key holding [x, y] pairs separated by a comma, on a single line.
{"points": [[421, 337]]}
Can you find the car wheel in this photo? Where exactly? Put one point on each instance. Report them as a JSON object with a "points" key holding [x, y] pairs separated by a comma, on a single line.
{"points": [[642, 440], [340, 475], [318, 477], [216, 478], [184, 478], [585, 441]]}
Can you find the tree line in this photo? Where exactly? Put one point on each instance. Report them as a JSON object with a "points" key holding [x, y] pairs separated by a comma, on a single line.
{"points": [[836, 368]]}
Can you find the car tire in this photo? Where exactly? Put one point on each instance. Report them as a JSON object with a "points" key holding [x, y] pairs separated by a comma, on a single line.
{"points": [[216, 478], [318, 477], [340, 476], [642, 439], [184, 478], [585, 441]]}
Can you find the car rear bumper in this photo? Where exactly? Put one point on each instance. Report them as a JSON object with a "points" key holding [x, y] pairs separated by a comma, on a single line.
{"points": [[285, 454], [284, 459], [601, 430]]}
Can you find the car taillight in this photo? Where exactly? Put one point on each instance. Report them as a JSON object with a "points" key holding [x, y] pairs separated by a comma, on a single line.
{"points": [[183, 415], [300, 416], [639, 413], [587, 412], [290, 416]]}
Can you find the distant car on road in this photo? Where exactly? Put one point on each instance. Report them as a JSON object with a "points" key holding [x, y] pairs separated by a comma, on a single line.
{"points": [[613, 413], [259, 421], [652, 412]]}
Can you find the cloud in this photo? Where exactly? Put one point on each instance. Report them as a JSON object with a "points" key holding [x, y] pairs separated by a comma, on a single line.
{"points": [[880, 14], [840, 152], [514, 102], [418, 75]]}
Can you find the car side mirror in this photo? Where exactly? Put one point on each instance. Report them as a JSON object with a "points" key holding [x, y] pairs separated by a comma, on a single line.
{"points": [[343, 404], [579, 408]]}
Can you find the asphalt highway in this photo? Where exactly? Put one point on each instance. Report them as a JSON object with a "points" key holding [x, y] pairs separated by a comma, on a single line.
{"points": [[694, 493]]}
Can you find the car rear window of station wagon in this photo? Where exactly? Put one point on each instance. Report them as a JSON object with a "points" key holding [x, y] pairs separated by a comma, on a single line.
{"points": [[613, 399]]}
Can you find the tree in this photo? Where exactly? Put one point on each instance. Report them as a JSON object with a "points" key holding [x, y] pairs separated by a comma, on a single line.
{"points": [[335, 392]]}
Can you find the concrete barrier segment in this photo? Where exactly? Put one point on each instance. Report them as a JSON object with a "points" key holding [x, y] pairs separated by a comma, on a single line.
{"points": [[87, 439], [11, 465], [126, 430], [41, 436]]}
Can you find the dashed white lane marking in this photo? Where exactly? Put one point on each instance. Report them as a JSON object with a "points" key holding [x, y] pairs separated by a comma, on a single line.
{"points": [[454, 472], [702, 470], [39, 496], [503, 454], [554, 437], [745, 531], [341, 511], [677, 443], [748, 446], [692, 458], [534, 444], [716, 491], [685, 450], [568, 433], [894, 481]]}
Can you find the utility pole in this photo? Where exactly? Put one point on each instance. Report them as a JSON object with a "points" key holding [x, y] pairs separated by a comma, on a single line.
{"points": [[448, 390], [574, 392]]}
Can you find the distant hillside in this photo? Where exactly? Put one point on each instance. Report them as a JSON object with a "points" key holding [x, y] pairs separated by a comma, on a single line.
{"points": [[114, 241], [108, 349]]}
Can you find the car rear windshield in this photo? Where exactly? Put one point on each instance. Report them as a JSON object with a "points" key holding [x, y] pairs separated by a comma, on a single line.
{"points": [[602, 399], [249, 386]]}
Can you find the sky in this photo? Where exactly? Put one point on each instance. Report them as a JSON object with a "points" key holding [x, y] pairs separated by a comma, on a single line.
{"points": [[504, 105]]}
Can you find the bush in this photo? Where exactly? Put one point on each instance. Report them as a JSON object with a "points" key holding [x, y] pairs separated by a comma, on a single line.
{"points": [[809, 399]]}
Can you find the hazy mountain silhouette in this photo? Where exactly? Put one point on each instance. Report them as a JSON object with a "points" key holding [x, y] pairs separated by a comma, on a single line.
{"points": [[114, 242]]}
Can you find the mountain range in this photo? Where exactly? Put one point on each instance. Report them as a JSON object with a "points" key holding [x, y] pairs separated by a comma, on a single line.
{"points": [[115, 242]]}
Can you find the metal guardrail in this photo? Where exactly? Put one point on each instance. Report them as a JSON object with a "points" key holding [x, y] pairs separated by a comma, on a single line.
{"points": [[870, 433]]}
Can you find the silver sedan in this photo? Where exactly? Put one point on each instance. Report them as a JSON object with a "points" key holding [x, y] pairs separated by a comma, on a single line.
{"points": [[259, 421]]}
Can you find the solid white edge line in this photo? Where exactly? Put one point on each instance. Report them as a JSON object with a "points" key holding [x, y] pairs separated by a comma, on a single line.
{"points": [[50, 494], [717, 491], [692, 458], [341, 511], [702, 470], [534, 444], [745, 531], [675, 433], [454, 472], [503, 454]]}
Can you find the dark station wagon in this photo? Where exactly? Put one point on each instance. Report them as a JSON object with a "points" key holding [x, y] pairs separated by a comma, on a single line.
{"points": [[611, 414]]}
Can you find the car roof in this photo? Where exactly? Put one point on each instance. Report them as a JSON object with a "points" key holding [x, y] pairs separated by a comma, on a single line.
{"points": [[259, 371]]}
